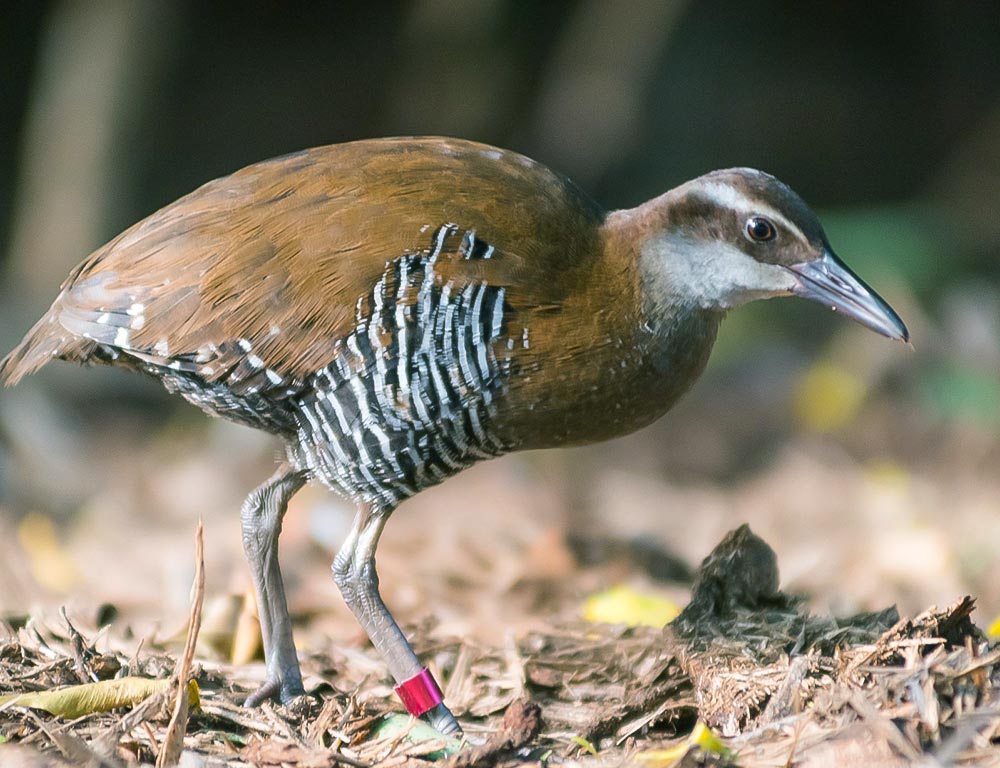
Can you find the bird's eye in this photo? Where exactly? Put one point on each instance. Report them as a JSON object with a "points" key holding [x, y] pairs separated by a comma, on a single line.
{"points": [[760, 230]]}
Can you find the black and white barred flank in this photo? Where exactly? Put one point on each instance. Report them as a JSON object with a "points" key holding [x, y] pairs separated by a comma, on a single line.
{"points": [[405, 402], [408, 398]]}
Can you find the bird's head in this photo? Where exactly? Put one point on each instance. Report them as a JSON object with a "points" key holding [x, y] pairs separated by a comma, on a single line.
{"points": [[737, 235]]}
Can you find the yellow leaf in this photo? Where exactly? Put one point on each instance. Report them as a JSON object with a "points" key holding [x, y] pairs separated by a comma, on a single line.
{"points": [[585, 745], [623, 605], [888, 474], [828, 397], [247, 641], [706, 741], [663, 758], [994, 628], [701, 738], [50, 563], [78, 700]]}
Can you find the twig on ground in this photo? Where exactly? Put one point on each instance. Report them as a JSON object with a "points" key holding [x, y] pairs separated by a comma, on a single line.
{"points": [[173, 743]]}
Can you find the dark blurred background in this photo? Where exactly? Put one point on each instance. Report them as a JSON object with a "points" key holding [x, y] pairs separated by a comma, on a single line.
{"points": [[872, 468]]}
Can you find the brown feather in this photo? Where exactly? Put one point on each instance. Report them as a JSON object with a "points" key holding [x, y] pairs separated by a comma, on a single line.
{"points": [[279, 254], [294, 242]]}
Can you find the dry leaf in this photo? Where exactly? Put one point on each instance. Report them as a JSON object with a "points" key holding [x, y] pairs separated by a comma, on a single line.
{"points": [[78, 700]]}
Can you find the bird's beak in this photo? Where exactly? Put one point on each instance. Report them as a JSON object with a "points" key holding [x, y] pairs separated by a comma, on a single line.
{"points": [[829, 281]]}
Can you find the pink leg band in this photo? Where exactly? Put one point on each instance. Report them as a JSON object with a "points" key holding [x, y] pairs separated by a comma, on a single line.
{"points": [[420, 693]]}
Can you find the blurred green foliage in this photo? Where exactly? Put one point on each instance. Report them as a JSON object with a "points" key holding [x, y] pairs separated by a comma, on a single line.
{"points": [[963, 393], [903, 240]]}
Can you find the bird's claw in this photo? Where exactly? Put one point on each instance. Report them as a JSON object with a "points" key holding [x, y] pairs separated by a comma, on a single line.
{"points": [[443, 721], [274, 688]]}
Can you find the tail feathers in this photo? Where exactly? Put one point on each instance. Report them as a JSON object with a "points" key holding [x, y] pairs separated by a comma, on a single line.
{"points": [[45, 341]]}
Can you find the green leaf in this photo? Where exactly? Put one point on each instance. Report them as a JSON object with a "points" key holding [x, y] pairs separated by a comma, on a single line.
{"points": [[418, 732]]}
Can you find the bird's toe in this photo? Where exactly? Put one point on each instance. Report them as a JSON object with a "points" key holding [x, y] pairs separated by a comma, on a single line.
{"points": [[274, 688], [443, 721]]}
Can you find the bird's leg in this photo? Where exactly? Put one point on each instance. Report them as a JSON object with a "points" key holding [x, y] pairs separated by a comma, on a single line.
{"points": [[261, 519], [354, 572]]}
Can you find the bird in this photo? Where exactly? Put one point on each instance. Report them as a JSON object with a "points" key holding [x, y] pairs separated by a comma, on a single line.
{"points": [[396, 310]]}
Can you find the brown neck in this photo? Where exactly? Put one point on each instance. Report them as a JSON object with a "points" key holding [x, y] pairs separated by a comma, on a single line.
{"points": [[628, 365]]}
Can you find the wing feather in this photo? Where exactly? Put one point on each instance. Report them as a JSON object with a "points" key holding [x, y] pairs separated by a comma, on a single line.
{"points": [[254, 279]]}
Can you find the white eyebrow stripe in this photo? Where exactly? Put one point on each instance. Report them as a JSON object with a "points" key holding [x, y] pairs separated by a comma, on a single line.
{"points": [[727, 196]]}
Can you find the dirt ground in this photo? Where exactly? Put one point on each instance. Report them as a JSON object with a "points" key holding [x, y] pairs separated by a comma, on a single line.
{"points": [[743, 660]]}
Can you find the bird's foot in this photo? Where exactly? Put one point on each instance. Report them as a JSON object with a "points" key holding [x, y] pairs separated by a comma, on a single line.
{"points": [[443, 721], [275, 687]]}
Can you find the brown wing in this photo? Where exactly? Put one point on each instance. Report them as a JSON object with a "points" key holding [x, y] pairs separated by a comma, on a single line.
{"points": [[256, 276]]}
